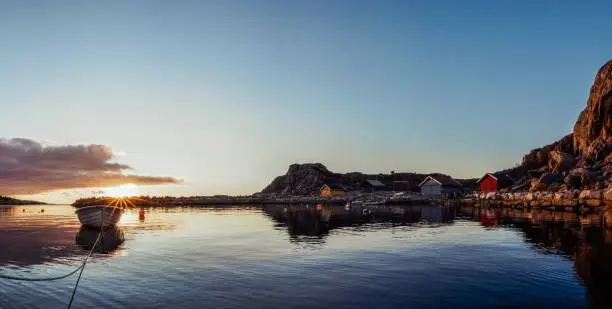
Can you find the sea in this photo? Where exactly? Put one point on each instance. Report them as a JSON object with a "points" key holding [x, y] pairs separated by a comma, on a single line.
{"points": [[307, 256]]}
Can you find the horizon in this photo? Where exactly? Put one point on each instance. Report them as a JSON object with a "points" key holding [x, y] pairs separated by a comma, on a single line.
{"points": [[201, 98]]}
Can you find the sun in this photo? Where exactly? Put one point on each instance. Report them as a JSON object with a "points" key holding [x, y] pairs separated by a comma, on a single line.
{"points": [[125, 190]]}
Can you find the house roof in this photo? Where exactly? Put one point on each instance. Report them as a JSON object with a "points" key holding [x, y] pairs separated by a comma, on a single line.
{"points": [[443, 180], [497, 176], [375, 183], [334, 186]]}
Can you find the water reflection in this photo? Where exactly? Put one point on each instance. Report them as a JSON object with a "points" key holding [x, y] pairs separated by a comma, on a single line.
{"points": [[579, 238], [110, 240], [313, 223], [215, 236], [30, 236]]}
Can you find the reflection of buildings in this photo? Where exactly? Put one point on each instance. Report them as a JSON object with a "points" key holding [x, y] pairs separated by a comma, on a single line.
{"points": [[305, 222], [580, 238]]}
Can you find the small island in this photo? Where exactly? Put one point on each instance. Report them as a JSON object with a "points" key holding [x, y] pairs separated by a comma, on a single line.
{"points": [[5, 200]]}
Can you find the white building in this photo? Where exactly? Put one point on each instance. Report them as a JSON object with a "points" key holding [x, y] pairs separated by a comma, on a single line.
{"points": [[436, 185]]}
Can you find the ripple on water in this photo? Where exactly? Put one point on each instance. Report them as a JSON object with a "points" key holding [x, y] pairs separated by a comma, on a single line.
{"points": [[246, 258]]}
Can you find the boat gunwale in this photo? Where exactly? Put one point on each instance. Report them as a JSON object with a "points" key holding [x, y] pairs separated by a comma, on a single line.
{"points": [[99, 206]]}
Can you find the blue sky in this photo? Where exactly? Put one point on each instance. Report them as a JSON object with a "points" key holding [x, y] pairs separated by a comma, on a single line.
{"points": [[227, 94]]}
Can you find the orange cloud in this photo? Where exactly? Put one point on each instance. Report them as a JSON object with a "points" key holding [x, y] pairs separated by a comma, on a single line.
{"points": [[27, 167]]}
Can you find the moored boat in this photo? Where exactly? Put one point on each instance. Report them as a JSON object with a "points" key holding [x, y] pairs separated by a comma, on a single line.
{"points": [[99, 215]]}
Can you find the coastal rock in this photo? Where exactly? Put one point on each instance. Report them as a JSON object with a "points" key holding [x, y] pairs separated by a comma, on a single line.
{"points": [[549, 178], [594, 125], [565, 195], [536, 157], [607, 195], [590, 194], [582, 158], [491, 196], [545, 181], [560, 161], [608, 159], [573, 181], [578, 171], [606, 170], [301, 179], [598, 150], [546, 196], [590, 178], [307, 179]]}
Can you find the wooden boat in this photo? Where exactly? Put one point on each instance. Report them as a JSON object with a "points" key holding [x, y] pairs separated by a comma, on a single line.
{"points": [[99, 215]]}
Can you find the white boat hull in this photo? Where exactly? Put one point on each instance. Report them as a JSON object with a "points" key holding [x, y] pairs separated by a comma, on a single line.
{"points": [[99, 215]]}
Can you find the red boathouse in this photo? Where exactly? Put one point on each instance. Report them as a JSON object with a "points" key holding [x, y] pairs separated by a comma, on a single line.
{"points": [[492, 182]]}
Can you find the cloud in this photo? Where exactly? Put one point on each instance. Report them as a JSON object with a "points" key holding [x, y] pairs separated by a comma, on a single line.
{"points": [[27, 167]]}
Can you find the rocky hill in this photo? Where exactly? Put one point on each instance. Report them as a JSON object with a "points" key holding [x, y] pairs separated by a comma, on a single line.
{"points": [[305, 179], [581, 159]]}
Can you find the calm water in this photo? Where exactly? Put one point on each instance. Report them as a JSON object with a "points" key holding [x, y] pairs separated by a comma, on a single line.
{"points": [[277, 257]]}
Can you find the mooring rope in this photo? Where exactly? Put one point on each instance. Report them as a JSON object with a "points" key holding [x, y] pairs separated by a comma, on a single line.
{"points": [[80, 268], [2, 276], [76, 285]]}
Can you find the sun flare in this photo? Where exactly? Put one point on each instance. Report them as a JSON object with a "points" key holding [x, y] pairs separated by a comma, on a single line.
{"points": [[124, 190]]}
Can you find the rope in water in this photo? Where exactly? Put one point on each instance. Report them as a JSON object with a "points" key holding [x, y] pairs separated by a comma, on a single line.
{"points": [[76, 285], [80, 268], [2, 276], [83, 268]]}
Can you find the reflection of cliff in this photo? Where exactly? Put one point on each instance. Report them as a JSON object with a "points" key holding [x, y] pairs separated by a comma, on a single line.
{"points": [[580, 238], [593, 264], [317, 221]]}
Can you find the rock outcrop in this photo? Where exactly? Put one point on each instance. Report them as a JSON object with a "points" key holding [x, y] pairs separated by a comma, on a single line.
{"points": [[593, 130], [581, 159], [307, 179], [302, 179]]}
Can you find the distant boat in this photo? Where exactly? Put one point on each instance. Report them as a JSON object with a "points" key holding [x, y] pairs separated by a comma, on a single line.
{"points": [[356, 203], [99, 215]]}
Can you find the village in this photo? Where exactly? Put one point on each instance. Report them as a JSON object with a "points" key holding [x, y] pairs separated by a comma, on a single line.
{"points": [[492, 189]]}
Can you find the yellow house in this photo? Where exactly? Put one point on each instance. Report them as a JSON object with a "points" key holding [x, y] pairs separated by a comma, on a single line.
{"points": [[332, 189]]}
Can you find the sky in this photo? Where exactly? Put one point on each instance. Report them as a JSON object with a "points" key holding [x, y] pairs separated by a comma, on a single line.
{"points": [[219, 97]]}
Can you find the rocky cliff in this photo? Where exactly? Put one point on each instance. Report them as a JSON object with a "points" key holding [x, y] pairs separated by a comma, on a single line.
{"points": [[306, 179], [581, 159], [593, 130]]}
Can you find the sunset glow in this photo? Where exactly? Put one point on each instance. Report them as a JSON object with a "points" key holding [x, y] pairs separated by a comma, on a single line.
{"points": [[124, 190]]}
